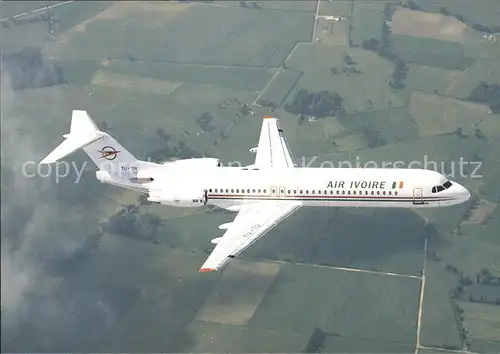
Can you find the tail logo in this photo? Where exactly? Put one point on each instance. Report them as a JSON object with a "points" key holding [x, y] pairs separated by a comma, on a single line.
{"points": [[109, 153]]}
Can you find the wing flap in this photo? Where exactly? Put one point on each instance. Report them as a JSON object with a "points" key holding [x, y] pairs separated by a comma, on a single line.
{"points": [[273, 149], [251, 223]]}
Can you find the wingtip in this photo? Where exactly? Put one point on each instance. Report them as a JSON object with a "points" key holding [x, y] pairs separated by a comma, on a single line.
{"points": [[206, 270], [46, 161]]}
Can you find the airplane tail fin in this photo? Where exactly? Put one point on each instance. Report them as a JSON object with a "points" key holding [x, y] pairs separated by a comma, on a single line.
{"points": [[104, 151]]}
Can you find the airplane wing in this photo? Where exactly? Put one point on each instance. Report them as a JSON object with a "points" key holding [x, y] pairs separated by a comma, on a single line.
{"points": [[251, 223], [273, 150]]}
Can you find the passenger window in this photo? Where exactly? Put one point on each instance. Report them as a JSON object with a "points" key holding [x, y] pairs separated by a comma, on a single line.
{"points": [[301, 191], [395, 193], [366, 192], [312, 192], [378, 192], [384, 192], [294, 191], [253, 190], [264, 191], [338, 192], [259, 190], [390, 192], [349, 192], [354, 192]]}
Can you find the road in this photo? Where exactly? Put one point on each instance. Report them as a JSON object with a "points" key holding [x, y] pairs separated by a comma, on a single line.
{"points": [[36, 10]]}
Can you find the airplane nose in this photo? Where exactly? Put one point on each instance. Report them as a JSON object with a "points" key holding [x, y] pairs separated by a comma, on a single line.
{"points": [[463, 192]]}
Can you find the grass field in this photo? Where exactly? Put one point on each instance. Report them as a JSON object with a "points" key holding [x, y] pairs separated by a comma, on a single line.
{"points": [[281, 86], [484, 12], [218, 338], [281, 5], [242, 33], [367, 20], [482, 320], [335, 8], [436, 115], [427, 25], [371, 84], [429, 79], [439, 326], [393, 124], [430, 52], [350, 296], [479, 48], [480, 70], [238, 293]]}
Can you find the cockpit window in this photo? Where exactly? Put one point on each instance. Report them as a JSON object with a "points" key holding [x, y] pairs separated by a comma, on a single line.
{"points": [[441, 188]]}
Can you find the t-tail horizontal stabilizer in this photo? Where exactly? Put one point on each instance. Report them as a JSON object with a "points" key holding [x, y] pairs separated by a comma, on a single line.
{"points": [[83, 132]]}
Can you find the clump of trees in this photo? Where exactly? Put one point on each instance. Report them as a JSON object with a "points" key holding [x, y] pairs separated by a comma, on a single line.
{"points": [[489, 94], [372, 136], [205, 122], [129, 223], [318, 104], [383, 48], [29, 69], [170, 149]]}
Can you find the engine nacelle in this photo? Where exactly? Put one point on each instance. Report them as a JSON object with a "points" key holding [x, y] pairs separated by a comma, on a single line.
{"points": [[182, 198], [202, 162]]}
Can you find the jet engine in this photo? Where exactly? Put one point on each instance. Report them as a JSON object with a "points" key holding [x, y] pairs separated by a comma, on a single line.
{"points": [[202, 162], [180, 197]]}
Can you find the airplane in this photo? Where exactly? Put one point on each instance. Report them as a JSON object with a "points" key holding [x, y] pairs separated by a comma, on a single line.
{"points": [[262, 194]]}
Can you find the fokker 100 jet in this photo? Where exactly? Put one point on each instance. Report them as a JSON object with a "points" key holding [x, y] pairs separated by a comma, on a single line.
{"points": [[262, 194]]}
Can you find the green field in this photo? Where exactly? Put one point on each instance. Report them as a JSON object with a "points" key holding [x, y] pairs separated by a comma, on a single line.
{"points": [[335, 8], [439, 326], [430, 52], [367, 20], [350, 295], [278, 91], [231, 44], [371, 84], [484, 12]]}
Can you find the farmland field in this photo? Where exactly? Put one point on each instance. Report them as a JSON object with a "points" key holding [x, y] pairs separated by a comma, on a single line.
{"points": [[431, 52]]}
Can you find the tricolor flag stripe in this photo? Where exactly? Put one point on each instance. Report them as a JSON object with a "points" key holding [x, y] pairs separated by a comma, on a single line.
{"points": [[401, 184], [393, 185]]}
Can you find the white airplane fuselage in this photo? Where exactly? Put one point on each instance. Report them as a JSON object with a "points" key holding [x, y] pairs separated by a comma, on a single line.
{"points": [[316, 187], [262, 194]]}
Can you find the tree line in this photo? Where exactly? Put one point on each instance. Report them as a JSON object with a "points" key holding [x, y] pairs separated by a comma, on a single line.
{"points": [[318, 104]]}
